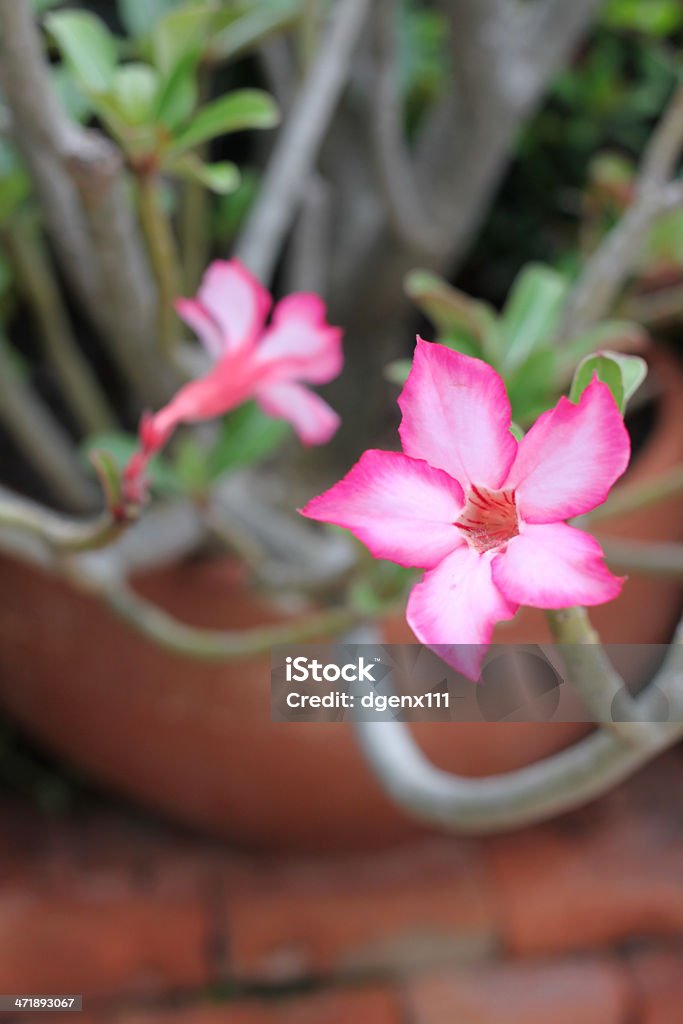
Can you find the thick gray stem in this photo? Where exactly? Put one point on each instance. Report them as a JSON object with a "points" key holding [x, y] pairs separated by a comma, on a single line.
{"points": [[298, 144], [535, 793]]}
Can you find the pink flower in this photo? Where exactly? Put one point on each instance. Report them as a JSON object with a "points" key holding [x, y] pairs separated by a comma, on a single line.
{"points": [[482, 513], [271, 364]]}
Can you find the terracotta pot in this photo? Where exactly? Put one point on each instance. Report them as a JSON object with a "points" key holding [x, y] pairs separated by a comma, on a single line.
{"points": [[196, 741]]}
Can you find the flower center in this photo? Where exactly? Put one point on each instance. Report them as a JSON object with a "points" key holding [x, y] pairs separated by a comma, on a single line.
{"points": [[489, 519]]}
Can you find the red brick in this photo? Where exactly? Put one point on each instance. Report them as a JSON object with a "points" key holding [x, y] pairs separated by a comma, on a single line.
{"points": [[427, 902], [610, 872], [590, 992], [658, 982], [106, 908]]}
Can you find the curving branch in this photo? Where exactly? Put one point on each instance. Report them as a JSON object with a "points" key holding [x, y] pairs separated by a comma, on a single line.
{"points": [[299, 141], [167, 632], [594, 678], [61, 533], [408, 216], [607, 269], [532, 794]]}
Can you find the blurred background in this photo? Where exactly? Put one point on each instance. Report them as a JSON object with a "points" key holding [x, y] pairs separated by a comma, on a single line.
{"points": [[455, 169]]}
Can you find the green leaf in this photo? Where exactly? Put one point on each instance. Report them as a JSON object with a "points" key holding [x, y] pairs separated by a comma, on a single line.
{"points": [[108, 472], [221, 178], [190, 464], [179, 33], [653, 17], [531, 312], [236, 33], [612, 335], [455, 315], [247, 436], [622, 374], [244, 108], [134, 93], [178, 94], [533, 386], [88, 48], [231, 211], [140, 16], [118, 447]]}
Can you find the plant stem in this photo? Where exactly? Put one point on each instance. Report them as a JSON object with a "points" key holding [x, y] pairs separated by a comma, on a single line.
{"points": [[664, 561], [194, 209], [163, 257], [593, 676], [634, 497], [80, 182], [81, 388], [297, 146], [220, 645], [61, 533], [41, 436], [536, 793]]}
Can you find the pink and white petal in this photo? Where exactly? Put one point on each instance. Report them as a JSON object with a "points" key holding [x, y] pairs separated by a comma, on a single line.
{"points": [[401, 508], [237, 301], [310, 415], [554, 566], [571, 457], [203, 324], [224, 388], [455, 607], [456, 416], [300, 343]]}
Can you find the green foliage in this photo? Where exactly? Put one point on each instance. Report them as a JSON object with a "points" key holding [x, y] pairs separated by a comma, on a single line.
{"points": [[244, 108], [422, 57], [140, 16], [232, 209], [112, 451], [89, 50], [151, 108], [657, 18], [622, 374], [108, 472], [521, 342], [247, 436], [531, 313], [240, 27], [14, 182], [222, 178]]}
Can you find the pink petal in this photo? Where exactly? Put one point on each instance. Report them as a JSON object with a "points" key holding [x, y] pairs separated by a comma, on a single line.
{"points": [[455, 607], [237, 302], [312, 418], [401, 508], [229, 384], [554, 566], [300, 342], [456, 416], [203, 324], [571, 457]]}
